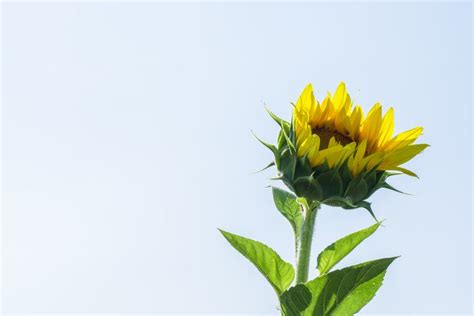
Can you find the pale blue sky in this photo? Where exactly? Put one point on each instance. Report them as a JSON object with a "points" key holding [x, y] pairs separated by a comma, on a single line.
{"points": [[126, 142]]}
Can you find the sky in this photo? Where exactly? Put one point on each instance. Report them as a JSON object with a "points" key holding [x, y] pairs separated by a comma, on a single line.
{"points": [[126, 143]]}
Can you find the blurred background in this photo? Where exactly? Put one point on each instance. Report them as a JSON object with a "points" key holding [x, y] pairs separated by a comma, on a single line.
{"points": [[126, 142]]}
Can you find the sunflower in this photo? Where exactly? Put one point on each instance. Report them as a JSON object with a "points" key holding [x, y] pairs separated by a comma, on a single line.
{"points": [[330, 153], [334, 131]]}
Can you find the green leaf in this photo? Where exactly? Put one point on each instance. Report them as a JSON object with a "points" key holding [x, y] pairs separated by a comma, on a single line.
{"points": [[335, 252], [295, 300], [279, 273], [344, 292], [287, 205]]}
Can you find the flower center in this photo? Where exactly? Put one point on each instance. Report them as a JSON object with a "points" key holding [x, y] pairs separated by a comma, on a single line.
{"points": [[325, 134]]}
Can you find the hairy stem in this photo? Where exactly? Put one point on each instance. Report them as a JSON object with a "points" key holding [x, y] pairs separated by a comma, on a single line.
{"points": [[303, 242]]}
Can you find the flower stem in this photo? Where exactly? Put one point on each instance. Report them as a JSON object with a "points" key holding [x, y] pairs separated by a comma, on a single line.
{"points": [[303, 242]]}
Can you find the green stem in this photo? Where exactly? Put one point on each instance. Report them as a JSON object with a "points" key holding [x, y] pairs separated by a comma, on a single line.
{"points": [[303, 243]]}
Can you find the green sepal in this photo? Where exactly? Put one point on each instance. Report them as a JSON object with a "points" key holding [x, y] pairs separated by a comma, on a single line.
{"points": [[292, 133], [331, 183], [283, 138], [281, 122], [381, 182], [357, 190], [289, 142], [281, 141], [385, 185], [322, 168], [308, 188], [338, 201], [287, 166], [370, 178], [303, 167], [346, 174], [273, 149], [381, 177], [366, 205], [271, 164]]}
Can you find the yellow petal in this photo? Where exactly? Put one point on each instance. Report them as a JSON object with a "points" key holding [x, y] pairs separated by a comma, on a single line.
{"points": [[340, 95], [303, 135], [356, 161], [332, 155], [371, 126], [405, 171], [402, 155], [315, 118], [360, 151], [304, 144], [374, 160], [350, 163], [386, 130], [356, 118], [316, 159], [332, 142], [330, 112], [403, 139], [314, 149], [347, 151], [340, 120], [306, 99]]}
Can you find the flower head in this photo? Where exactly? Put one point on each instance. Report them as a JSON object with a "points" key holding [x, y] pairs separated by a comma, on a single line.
{"points": [[331, 153]]}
